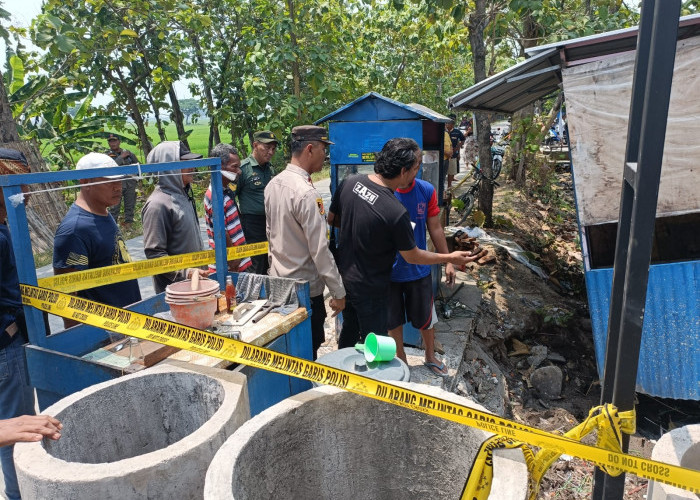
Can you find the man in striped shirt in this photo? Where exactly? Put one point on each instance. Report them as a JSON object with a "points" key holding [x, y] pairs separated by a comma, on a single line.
{"points": [[230, 170]]}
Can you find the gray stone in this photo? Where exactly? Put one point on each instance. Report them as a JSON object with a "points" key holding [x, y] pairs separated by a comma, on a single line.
{"points": [[538, 354], [547, 381], [479, 370], [330, 444], [557, 358], [148, 435]]}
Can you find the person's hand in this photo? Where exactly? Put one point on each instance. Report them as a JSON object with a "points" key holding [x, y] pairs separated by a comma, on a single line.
{"points": [[29, 428], [460, 258], [337, 305], [233, 265], [203, 273], [125, 153], [450, 274]]}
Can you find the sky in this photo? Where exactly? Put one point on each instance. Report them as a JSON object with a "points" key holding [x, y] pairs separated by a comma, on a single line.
{"points": [[23, 11]]}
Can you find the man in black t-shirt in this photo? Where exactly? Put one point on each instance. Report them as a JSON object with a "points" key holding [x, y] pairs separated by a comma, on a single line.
{"points": [[374, 225]]}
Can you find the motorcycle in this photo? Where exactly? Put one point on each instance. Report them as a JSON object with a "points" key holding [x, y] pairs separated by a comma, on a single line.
{"points": [[554, 138], [497, 152]]}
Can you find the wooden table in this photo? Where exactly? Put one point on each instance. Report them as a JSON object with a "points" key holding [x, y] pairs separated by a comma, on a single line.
{"points": [[260, 334]]}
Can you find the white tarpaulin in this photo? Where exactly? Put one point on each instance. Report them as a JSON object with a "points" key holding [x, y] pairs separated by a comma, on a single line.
{"points": [[597, 103]]}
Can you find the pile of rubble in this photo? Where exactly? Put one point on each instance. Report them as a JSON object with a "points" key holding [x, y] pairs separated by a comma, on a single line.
{"points": [[462, 241]]}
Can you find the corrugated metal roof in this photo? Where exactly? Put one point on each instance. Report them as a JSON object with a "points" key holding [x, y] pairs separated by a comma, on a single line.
{"points": [[436, 117], [514, 88], [580, 50], [540, 75], [376, 107], [669, 359]]}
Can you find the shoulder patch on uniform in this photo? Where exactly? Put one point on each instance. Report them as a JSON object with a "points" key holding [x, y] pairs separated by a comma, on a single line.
{"points": [[75, 259], [321, 210]]}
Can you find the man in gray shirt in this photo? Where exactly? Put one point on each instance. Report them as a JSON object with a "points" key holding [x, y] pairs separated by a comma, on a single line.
{"points": [[170, 222]]}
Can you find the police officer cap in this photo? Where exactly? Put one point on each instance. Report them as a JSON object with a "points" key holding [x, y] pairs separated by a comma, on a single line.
{"points": [[309, 133]]}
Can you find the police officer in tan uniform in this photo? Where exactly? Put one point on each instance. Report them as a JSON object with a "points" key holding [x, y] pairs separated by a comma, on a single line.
{"points": [[296, 227]]}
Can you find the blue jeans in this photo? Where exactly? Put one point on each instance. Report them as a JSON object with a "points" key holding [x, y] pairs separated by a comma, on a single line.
{"points": [[16, 398], [362, 314]]}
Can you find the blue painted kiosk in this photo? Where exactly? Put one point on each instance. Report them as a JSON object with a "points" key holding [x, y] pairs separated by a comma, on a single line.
{"points": [[361, 128], [55, 361]]}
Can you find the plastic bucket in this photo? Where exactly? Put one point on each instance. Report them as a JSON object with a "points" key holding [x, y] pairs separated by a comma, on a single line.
{"points": [[379, 347]]}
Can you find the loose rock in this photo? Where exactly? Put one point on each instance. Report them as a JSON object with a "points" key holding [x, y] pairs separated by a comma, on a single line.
{"points": [[539, 354], [547, 381]]}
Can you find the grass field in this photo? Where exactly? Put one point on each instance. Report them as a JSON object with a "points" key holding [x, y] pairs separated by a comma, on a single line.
{"points": [[198, 139]]}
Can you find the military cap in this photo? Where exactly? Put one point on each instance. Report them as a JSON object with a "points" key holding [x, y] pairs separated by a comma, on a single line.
{"points": [[264, 136]]}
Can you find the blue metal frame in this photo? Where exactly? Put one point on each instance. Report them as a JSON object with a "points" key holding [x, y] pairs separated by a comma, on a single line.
{"points": [[55, 366]]}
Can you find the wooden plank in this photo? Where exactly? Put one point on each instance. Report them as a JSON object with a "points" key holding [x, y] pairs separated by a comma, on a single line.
{"points": [[147, 353], [261, 333]]}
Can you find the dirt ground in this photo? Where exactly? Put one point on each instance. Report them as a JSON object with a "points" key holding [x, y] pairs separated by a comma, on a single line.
{"points": [[521, 314]]}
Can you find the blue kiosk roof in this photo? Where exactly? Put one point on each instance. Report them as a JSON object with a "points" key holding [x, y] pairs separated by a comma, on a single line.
{"points": [[376, 107]]}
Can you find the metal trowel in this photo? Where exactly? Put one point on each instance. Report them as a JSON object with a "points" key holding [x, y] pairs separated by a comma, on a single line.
{"points": [[245, 311]]}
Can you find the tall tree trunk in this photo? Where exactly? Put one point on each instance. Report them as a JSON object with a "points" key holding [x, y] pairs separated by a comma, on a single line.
{"points": [[296, 73], [214, 137], [129, 92], [8, 126], [521, 156], [178, 116], [156, 112], [476, 26], [549, 121], [399, 73], [138, 119], [45, 209]]}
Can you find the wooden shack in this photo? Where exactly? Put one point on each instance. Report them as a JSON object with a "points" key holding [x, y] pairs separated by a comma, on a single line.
{"points": [[596, 74]]}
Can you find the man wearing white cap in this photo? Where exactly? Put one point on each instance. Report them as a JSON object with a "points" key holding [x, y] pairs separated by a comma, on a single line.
{"points": [[89, 238]]}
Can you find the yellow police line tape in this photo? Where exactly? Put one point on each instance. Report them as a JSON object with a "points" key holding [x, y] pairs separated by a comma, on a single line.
{"points": [[90, 278], [606, 420], [173, 334]]}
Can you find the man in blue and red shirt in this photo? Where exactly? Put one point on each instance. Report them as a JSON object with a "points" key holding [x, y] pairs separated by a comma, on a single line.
{"points": [[230, 170], [411, 292]]}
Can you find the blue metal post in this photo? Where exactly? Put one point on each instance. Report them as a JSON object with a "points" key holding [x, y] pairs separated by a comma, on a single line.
{"points": [[217, 201], [22, 248]]}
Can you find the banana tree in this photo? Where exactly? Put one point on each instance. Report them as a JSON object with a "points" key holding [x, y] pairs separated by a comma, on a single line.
{"points": [[41, 107]]}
